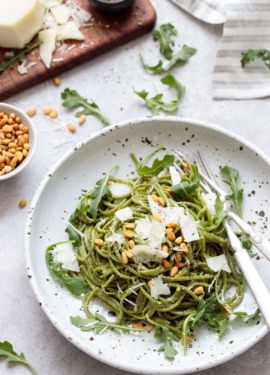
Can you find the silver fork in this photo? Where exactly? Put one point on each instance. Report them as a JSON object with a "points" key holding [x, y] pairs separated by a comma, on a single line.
{"points": [[259, 241], [256, 285]]}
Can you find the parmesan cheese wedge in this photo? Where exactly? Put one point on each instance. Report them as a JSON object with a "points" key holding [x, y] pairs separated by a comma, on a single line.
{"points": [[48, 46], [69, 31], [20, 21], [217, 263], [63, 253]]}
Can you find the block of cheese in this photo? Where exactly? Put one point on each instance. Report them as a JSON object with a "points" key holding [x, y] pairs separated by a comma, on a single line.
{"points": [[20, 21]]}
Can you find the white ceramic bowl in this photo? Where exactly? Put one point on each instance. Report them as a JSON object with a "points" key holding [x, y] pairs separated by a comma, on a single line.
{"points": [[7, 109]]}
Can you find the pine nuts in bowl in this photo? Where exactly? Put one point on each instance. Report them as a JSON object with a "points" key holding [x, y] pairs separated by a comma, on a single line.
{"points": [[17, 140]]}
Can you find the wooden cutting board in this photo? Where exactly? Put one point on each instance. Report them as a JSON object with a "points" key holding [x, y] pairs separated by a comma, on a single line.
{"points": [[105, 32]]}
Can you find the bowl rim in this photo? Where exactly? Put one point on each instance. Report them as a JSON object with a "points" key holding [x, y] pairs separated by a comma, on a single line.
{"points": [[9, 108]]}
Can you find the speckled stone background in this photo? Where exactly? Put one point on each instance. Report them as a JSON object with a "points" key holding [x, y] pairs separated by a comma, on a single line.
{"points": [[109, 80]]}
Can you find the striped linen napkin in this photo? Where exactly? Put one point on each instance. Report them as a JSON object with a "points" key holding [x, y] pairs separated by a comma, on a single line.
{"points": [[247, 27]]}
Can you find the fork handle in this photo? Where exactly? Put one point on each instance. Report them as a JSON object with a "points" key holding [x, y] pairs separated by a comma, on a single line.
{"points": [[256, 285], [259, 241]]}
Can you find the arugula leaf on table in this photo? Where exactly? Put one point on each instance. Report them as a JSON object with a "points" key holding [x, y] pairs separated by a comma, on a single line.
{"points": [[179, 58], [19, 55], [6, 350], [72, 99], [237, 194], [75, 284], [156, 104], [98, 324], [101, 191], [163, 35], [253, 54]]}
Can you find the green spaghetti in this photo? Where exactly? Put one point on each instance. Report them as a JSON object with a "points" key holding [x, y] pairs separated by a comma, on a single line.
{"points": [[143, 246]]}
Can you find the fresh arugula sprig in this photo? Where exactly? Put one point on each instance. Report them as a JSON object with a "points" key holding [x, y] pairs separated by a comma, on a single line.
{"points": [[72, 99], [19, 55], [101, 191], [237, 194], [158, 165], [164, 334], [211, 311], [188, 187], [6, 351], [253, 54], [74, 283], [156, 104], [99, 323], [179, 58], [163, 35]]}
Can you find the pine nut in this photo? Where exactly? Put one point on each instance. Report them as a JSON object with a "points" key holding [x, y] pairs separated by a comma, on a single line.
{"points": [[131, 244], [22, 203], [31, 112], [172, 224], [53, 114], [72, 128], [165, 248], [157, 217], [199, 290], [179, 240], [99, 242], [130, 226], [47, 111], [82, 119], [183, 247], [128, 233], [174, 271], [137, 325], [124, 257], [130, 255], [56, 81], [165, 263]]}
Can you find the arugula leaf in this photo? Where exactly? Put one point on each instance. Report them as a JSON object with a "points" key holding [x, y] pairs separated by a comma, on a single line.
{"points": [[246, 242], [188, 188], [156, 104], [6, 350], [157, 166], [243, 314], [75, 284], [164, 334], [253, 54], [180, 58], [99, 324], [237, 194], [72, 99], [101, 191], [19, 55], [73, 236], [163, 36], [209, 310]]}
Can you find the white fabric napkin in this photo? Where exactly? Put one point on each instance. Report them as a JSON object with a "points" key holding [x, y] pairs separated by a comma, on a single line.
{"points": [[247, 26]]}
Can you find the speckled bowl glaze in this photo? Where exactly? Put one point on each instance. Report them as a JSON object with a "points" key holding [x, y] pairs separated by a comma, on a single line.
{"points": [[78, 170]]}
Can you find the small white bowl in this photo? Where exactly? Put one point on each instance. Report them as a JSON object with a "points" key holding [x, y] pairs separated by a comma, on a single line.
{"points": [[7, 109]]}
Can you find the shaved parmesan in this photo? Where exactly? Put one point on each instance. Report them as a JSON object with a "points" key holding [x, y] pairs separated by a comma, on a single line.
{"points": [[124, 214], [175, 175], [48, 46], [143, 228], [189, 227], [119, 190], [145, 254], [69, 31], [61, 13], [218, 263], [157, 287], [156, 234], [210, 200], [116, 238], [63, 253]]}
